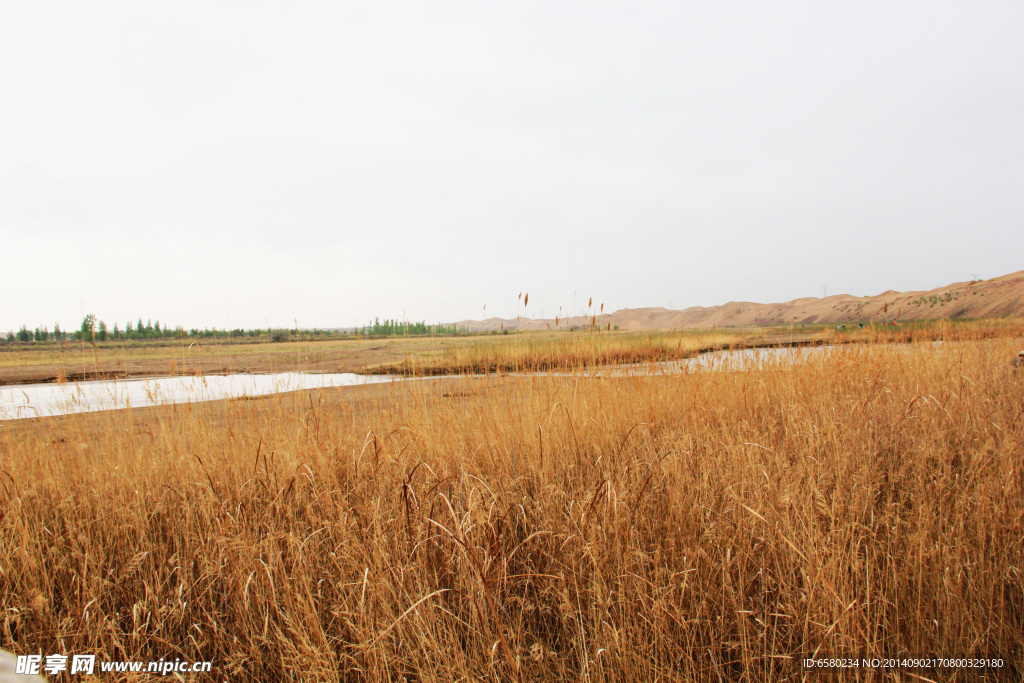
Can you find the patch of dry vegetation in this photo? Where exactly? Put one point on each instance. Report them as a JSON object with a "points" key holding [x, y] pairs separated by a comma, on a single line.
{"points": [[53, 361], [534, 352], [699, 526]]}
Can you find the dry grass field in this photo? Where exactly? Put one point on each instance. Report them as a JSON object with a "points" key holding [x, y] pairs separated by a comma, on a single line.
{"points": [[59, 361], [53, 361], [539, 351], [546, 351], [74, 361], [706, 526]]}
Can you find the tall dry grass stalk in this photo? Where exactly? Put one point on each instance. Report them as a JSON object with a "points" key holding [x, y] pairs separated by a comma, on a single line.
{"points": [[703, 526]]}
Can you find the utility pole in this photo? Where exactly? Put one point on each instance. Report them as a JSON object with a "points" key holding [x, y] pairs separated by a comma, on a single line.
{"points": [[824, 291]]}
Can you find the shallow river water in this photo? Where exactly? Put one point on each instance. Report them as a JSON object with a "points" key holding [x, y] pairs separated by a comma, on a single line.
{"points": [[41, 400]]}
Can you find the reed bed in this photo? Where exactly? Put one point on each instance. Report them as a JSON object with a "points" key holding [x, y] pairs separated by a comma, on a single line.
{"points": [[534, 353], [539, 352], [705, 526]]}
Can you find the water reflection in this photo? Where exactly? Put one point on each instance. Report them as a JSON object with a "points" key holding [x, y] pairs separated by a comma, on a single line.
{"points": [[37, 400]]}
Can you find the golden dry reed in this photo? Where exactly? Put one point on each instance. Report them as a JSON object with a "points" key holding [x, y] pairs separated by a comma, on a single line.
{"points": [[538, 352], [705, 526], [533, 352]]}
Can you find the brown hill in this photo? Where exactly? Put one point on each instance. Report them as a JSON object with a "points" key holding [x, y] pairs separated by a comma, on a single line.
{"points": [[996, 298]]}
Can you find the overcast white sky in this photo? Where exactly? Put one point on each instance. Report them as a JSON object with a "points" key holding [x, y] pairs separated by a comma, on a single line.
{"points": [[252, 163]]}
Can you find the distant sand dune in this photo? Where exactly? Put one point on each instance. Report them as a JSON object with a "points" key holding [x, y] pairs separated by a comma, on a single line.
{"points": [[996, 298]]}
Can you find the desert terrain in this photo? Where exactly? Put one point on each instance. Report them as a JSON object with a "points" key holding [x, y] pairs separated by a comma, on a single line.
{"points": [[999, 297]]}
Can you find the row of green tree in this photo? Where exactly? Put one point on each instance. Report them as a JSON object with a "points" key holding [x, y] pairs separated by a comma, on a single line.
{"points": [[96, 330], [396, 328], [93, 329]]}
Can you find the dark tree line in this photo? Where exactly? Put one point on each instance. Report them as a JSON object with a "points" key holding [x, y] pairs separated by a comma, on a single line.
{"points": [[95, 330], [39, 334]]}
